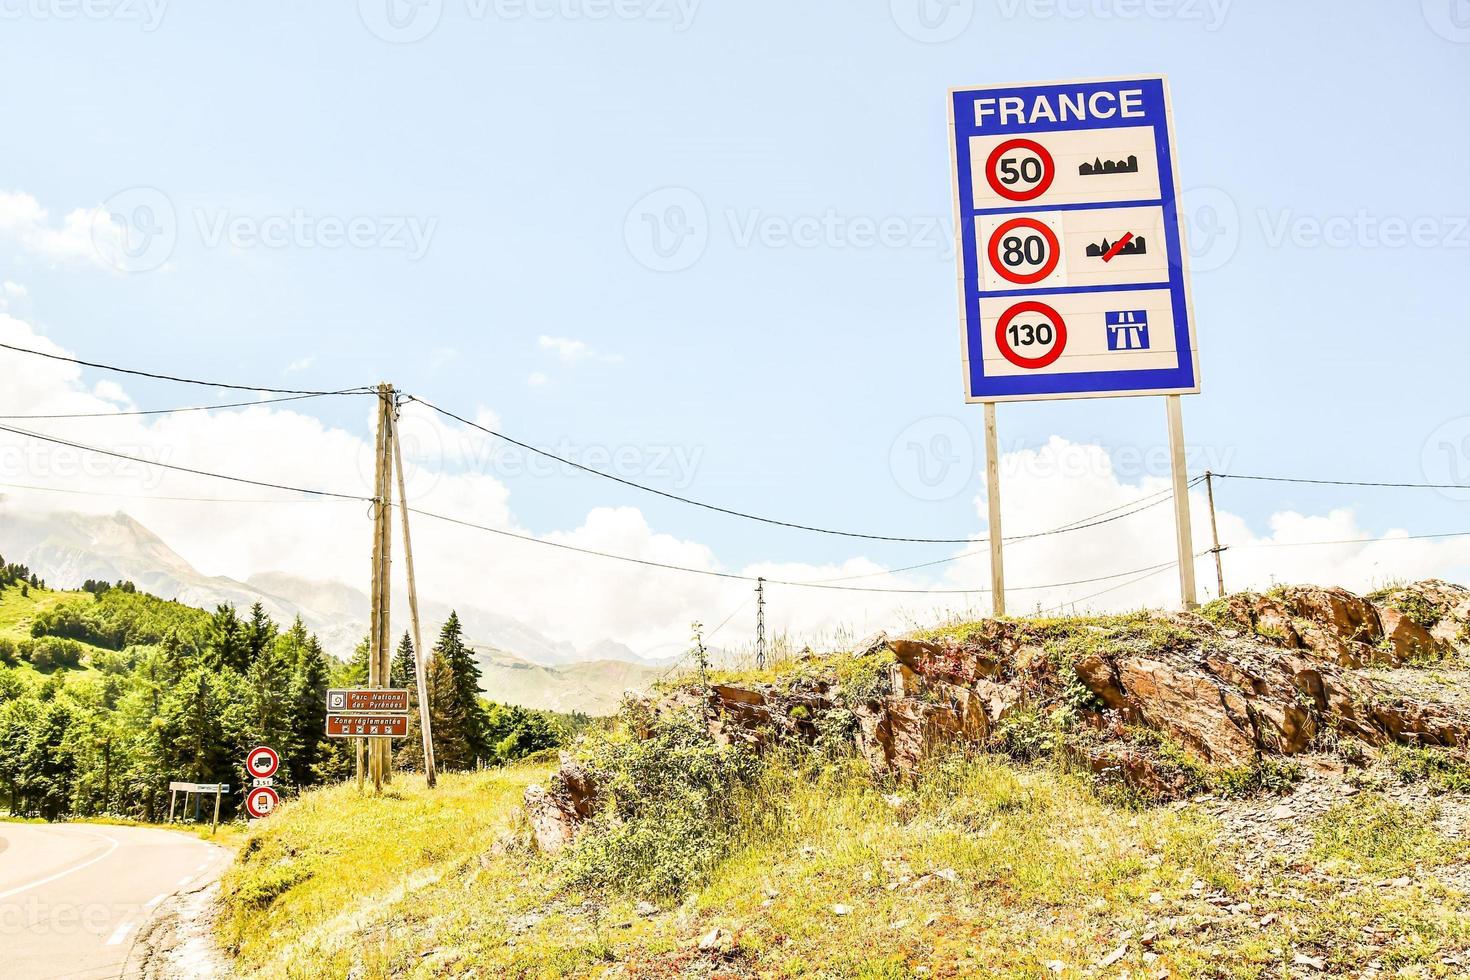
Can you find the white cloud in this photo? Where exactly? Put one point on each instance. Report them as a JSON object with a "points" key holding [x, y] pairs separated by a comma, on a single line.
{"points": [[452, 470], [573, 351], [23, 218], [300, 364], [10, 292], [536, 379]]}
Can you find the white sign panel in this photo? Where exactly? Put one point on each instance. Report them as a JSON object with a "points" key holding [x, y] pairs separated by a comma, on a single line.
{"points": [[1073, 281]]}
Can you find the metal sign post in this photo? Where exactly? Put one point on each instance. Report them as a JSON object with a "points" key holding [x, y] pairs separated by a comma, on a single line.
{"points": [[1187, 591], [992, 497], [1074, 279], [198, 791]]}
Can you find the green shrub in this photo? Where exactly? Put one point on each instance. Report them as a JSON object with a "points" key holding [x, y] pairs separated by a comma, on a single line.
{"points": [[668, 808], [1265, 775], [1413, 763], [50, 653]]}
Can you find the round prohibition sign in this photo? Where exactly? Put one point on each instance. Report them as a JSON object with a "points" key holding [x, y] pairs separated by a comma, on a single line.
{"points": [[262, 761], [1020, 170], [1009, 335], [1004, 244], [261, 801]]}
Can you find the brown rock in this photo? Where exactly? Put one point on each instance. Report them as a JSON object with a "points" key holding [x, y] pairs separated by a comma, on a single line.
{"points": [[1209, 719], [1406, 638], [553, 822]]}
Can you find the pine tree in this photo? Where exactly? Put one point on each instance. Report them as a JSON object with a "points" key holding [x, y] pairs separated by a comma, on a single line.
{"points": [[401, 673], [354, 673], [309, 681], [459, 698], [410, 754], [226, 646], [260, 633], [192, 733]]}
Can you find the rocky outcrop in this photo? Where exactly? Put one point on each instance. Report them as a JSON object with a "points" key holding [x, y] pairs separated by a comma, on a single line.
{"points": [[557, 811], [1253, 675]]}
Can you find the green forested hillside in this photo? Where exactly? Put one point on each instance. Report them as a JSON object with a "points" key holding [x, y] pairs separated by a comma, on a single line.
{"points": [[107, 694]]}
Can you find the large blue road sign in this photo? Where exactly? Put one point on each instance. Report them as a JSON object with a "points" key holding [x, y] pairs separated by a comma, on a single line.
{"points": [[1073, 280]]}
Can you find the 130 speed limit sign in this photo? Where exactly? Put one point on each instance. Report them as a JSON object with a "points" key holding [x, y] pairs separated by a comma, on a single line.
{"points": [[1031, 335]]}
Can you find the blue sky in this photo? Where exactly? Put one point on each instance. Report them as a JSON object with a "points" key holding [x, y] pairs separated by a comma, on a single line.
{"points": [[524, 139]]}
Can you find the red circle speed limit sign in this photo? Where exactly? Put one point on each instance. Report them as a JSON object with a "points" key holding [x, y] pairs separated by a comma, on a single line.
{"points": [[1031, 335], [1024, 250], [262, 762], [261, 801], [1020, 170]]}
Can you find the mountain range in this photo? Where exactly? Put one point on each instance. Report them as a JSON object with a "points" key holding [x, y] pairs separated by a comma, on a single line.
{"points": [[520, 665]]}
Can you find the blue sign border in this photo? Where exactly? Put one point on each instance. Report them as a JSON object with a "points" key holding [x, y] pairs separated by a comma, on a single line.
{"points": [[979, 387]]}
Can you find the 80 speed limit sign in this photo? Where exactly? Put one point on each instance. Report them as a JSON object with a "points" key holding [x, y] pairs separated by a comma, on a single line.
{"points": [[1024, 250]]}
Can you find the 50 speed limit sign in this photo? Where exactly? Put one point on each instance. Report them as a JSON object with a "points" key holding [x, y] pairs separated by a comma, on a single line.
{"points": [[1073, 278]]}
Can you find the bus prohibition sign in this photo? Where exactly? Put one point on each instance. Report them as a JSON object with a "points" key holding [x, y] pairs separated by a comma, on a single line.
{"points": [[261, 801], [262, 761], [1048, 333]]}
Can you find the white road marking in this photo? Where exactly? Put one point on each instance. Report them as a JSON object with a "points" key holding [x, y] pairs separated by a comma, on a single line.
{"points": [[118, 935], [185, 880], [62, 874], [201, 866], [154, 901]]}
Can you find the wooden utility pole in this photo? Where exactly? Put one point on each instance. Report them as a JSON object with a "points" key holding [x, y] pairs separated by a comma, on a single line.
{"points": [[419, 655], [379, 632], [992, 496], [1187, 591], [1215, 532], [760, 624]]}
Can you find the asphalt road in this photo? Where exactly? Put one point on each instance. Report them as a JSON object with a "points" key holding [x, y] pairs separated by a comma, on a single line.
{"points": [[74, 897]]}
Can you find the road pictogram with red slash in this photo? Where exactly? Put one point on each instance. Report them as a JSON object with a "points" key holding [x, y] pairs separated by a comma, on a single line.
{"points": [[1118, 246]]}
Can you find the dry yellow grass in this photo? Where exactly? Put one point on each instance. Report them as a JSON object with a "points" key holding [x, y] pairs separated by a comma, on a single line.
{"points": [[983, 869]]}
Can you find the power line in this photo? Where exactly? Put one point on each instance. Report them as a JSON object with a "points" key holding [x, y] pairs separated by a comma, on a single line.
{"points": [[733, 576], [175, 411], [159, 496], [1148, 574], [1381, 540], [1081, 524], [1344, 483], [683, 500], [189, 381], [527, 538], [737, 513], [183, 469]]}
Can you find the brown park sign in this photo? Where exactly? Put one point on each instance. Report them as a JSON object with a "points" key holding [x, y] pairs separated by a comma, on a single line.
{"points": [[367, 726], [377, 700]]}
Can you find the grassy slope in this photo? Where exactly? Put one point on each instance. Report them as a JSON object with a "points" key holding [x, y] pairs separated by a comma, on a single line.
{"points": [[17, 612], [984, 870]]}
